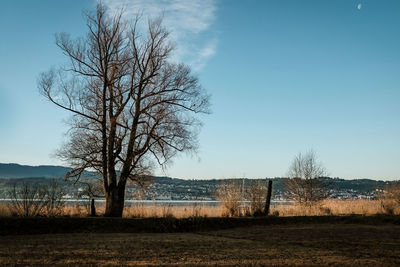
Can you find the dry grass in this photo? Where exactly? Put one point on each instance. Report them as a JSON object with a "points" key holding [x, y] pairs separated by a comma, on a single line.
{"points": [[333, 207], [4, 210], [138, 210], [162, 211], [283, 245], [360, 206], [326, 207]]}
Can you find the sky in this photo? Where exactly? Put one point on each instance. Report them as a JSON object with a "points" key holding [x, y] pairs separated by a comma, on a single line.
{"points": [[286, 76]]}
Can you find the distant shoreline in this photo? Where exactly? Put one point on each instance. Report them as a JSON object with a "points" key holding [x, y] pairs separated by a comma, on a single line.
{"points": [[160, 202]]}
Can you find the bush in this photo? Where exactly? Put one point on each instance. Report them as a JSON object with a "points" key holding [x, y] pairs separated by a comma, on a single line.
{"points": [[32, 200], [230, 196], [54, 202], [26, 200], [257, 194], [390, 199]]}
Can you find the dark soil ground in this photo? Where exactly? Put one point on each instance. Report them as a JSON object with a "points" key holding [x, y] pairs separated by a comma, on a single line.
{"points": [[350, 241]]}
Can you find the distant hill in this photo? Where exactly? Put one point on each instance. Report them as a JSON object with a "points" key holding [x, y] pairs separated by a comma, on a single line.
{"points": [[13, 170], [174, 188]]}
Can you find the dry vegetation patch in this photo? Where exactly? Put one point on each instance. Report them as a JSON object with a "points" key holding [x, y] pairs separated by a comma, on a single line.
{"points": [[155, 210]]}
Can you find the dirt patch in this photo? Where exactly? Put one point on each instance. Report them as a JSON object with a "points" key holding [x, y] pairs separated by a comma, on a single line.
{"points": [[304, 244]]}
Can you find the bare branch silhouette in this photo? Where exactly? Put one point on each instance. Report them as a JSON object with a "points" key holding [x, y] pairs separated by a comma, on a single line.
{"points": [[130, 106]]}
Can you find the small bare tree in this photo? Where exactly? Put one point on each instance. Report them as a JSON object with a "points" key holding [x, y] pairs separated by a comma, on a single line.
{"points": [[131, 107], [230, 193], [27, 200], [33, 200], [257, 194], [306, 183], [390, 198], [54, 202]]}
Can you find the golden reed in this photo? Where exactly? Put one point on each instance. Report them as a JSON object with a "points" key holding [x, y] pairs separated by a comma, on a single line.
{"points": [[138, 210]]}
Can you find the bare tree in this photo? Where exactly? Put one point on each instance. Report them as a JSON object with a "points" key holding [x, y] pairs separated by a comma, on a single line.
{"points": [[390, 198], [33, 200], [256, 194], [230, 194], [54, 199], [131, 107], [27, 200], [306, 183]]}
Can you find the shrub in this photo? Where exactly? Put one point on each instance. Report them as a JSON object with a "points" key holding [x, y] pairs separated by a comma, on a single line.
{"points": [[33, 200], [256, 194], [26, 200], [390, 199], [230, 195], [54, 202]]}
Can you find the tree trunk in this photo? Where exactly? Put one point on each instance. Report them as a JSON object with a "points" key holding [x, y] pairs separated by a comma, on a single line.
{"points": [[115, 202]]}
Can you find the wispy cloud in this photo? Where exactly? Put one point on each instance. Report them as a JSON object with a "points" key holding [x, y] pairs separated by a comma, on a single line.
{"points": [[202, 55], [188, 21]]}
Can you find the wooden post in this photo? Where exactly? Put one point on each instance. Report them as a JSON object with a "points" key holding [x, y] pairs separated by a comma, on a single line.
{"points": [[93, 209], [268, 200]]}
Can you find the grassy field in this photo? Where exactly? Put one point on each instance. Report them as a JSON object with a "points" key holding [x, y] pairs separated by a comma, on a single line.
{"points": [[289, 244]]}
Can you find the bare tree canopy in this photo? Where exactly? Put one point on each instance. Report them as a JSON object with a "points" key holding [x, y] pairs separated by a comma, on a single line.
{"points": [[306, 183], [131, 107]]}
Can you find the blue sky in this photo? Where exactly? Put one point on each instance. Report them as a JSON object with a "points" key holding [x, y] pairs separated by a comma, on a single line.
{"points": [[285, 77]]}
